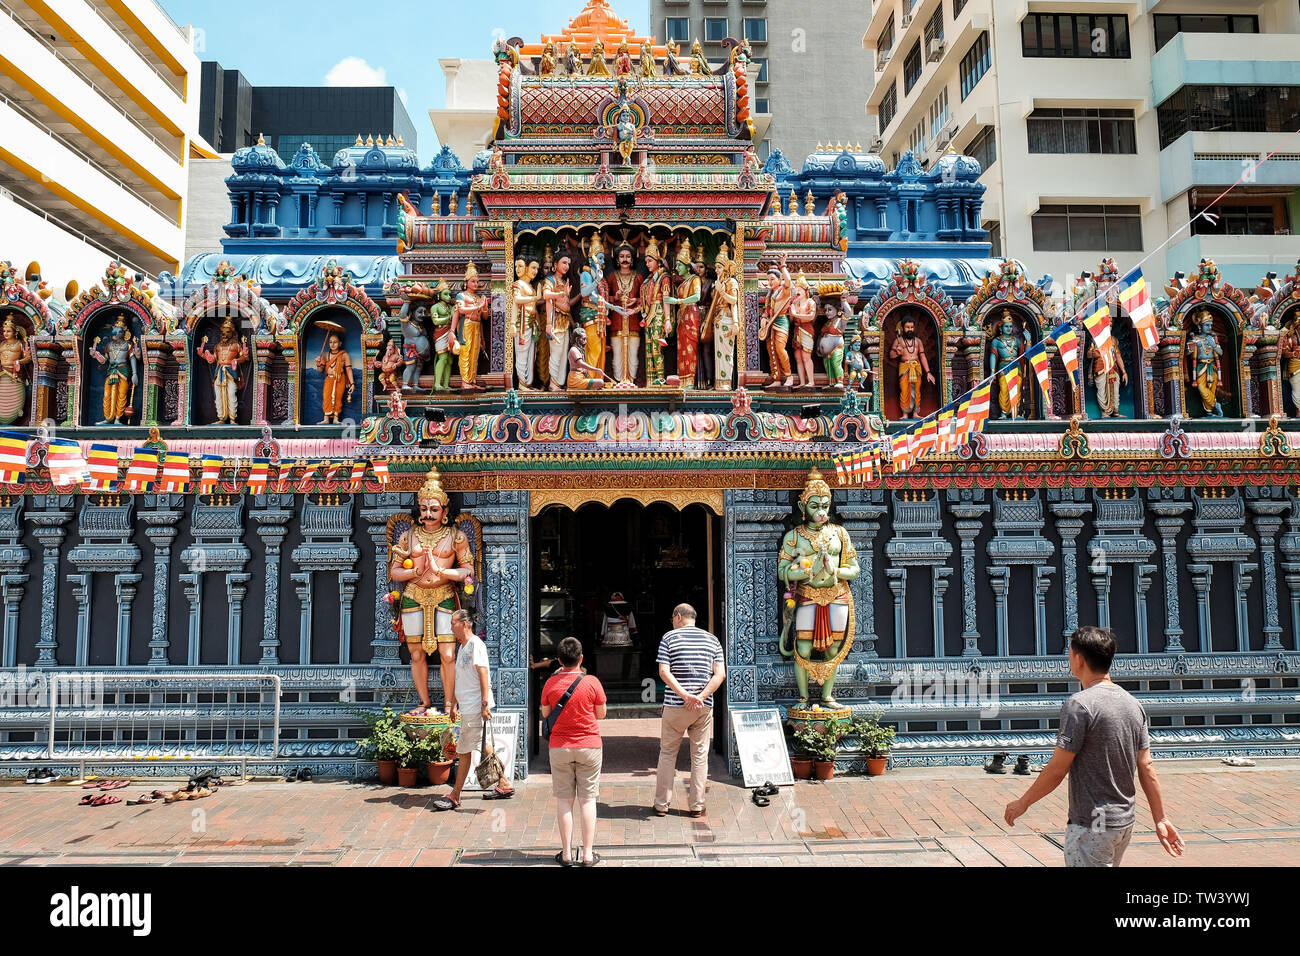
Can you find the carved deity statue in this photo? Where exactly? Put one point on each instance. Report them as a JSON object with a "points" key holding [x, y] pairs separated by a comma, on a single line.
{"points": [[121, 366], [558, 297], [14, 355], [472, 308], [598, 66], [525, 306], [909, 352], [573, 60], [444, 336], [817, 562], [831, 346], [774, 326], [623, 59], [1203, 359], [699, 62], [594, 311], [1108, 373], [547, 65], [656, 313], [336, 364], [387, 365], [1005, 347], [226, 359], [431, 559], [855, 373], [623, 292], [803, 310], [648, 67], [687, 300], [583, 376], [1289, 346], [722, 319], [416, 348]]}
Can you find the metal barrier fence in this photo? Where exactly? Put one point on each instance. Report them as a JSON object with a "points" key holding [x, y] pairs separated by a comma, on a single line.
{"points": [[164, 717]]}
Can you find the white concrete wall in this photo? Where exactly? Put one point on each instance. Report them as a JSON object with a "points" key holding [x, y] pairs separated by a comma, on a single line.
{"points": [[208, 205], [63, 256]]}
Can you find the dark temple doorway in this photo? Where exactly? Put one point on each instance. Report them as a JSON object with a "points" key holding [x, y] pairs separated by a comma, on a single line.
{"points": [[655, 557]]}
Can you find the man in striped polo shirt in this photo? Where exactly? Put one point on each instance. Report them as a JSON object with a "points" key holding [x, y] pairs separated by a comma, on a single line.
{"points": [[691, 667]]}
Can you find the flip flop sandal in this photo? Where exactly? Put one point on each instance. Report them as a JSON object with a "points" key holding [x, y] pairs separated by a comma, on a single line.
{"points": [[768, 789], [760, 800], [32, 775], [87, 800], [595, 859], [292, 776], [115, 785], [559, 858], [92, 783], [496, 793], [199, 793], [446, 803], [304, 775], [104, 800], [144, 799]]}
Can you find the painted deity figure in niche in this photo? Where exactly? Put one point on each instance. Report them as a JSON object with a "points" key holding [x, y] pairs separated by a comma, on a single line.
{"points": [[336, 364], [831, 346], [687, 300], [803, 310], [593, 314], [1204, 360], [704, 374], [583, 376], [387, 365], [1006, 347], [472, 308], [525, 321], [623, 292], [15, 369], [816, 563], [909, 352], [656, 312], [557, 295], [855, 362], [1289, 346], [774, 326], [722, 320], [1108, 373], [227, 359], [416, 348], [120, 359], [444, 336], [431, 559]]}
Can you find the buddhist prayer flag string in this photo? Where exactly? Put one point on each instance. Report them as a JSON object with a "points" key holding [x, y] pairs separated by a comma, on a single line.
{"points": [[1067, 343], [257, 475], [381, 471], [1096, 319], [101, 463], [284, 478], [142, 473], [359, 474], [66, 463], [1038, 359], [1137, 303], [13, 457], [176, 473], [211, 474]]}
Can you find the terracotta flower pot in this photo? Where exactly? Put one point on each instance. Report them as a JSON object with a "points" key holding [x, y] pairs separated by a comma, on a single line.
{"points": [[802, 767], [439, 772], [876, 766], [825, 769], [387, 772], [408, 776]]}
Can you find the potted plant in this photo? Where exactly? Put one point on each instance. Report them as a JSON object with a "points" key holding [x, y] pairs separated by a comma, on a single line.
{"points": [[384, 744], [876, 741], [821, 742], [801, 762], [409, 762], [429, 751]]}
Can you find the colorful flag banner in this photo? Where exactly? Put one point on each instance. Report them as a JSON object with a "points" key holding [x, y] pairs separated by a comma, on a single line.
{"points": [[142, 473], [869, 460], [381, 471], [211, 474], [359, 474], [1137, 303], [963, 420], [176, 472], [13, 457], [307, 480], [1096, 319], [1011, 375], [101, 463], [841, 472], [979, 408], [900, 452], [284, 478], [67, 464], [1067, 343], [947, 440], [257, 475], [1038, 359], [926, 436]]}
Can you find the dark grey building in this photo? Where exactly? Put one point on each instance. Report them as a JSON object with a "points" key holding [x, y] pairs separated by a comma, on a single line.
{"points": [[233, 113]]}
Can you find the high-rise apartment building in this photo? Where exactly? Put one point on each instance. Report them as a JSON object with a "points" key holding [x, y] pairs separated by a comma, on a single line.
{"points": [[1104, 128], [98, 109], [811, 80]]}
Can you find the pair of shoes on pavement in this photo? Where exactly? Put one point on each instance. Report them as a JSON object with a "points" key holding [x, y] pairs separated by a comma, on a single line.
{"points": [[42, 775], [298, 775], [1022, 768], [576, 859], [762, 795]]}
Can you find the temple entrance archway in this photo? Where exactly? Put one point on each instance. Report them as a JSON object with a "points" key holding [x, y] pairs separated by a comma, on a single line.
{"points": [[656, 554]]}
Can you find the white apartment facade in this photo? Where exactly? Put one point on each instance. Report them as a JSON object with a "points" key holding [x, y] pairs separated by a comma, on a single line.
{"points": [[1070, 106], [98, 103]]}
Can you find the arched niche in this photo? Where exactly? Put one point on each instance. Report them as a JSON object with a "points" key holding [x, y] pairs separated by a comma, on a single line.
{"points": [[204, 335], [99, 357], [17, 367], [313, 344], [929, 331], [1227, 332], [1026, 327], [1288, 320], [1131, 403]]}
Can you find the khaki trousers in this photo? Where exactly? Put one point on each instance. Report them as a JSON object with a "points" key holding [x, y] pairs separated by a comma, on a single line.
{"points": [[698, 725]]}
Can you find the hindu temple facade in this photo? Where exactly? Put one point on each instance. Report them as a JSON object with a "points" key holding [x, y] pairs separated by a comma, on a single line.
{"points": [[1096, 497]]}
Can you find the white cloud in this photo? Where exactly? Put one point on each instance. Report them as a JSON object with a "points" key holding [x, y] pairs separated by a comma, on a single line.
{"points": [[354, 71]]}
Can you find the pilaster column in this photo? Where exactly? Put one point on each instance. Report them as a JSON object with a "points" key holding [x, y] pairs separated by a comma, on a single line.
{"points": [[1169, 522], [49, 528], [384, 644], [1000, 581], [193, 587], [1141, 582], [236, 589], [126, 588], [1101, 585], [302, 587], [161, 531], [1042, 582], [969, 515], [11, 589], [898, 584], [81, 592], [1268, 521], [347, 591], [272, 528], [861, 519], [1242, 570], [939, 581], [1201, 574]]}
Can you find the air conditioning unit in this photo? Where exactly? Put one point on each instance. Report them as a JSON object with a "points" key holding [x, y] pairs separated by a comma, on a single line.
{"points": [[936, 51], [942, 140], [906, 21], [881, 59], [877, 146]]}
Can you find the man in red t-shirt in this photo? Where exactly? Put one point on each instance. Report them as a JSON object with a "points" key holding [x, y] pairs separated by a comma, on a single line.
{"points": [[575, 749]]}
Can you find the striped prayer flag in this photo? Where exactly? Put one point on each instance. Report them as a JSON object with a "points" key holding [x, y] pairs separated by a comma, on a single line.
{"points": [[211, 474], [359, 474], [1012, 377], [142, 473], [869, 461], [67, 464], [13, 457], [926, 437], [257, 475], [979, 408], [381, 471], [1137, 303], [101, 462], [1067, 343], [947, 437], [1096, 319], [1038, 359], [307, 480], [284, 478], [176, 472]]}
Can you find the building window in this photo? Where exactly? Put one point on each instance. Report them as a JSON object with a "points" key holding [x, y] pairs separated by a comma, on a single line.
{"points": [[1229, 109], [677, 29], [1075, 35], [765, 149], [919, 139], [755, 29], [761, 105], [715, 29], [975, 64], [1082, 131], [1169, 25], [912, 68], [1256, 220], [957, 7], [995, 238], [1077, 228], [886, 41], [934, 27], [888, 107], [939, 113], [984, 148], [762, 68]]}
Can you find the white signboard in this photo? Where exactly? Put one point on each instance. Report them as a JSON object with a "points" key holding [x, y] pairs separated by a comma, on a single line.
{"points": [[760, 743], [505, 732]]}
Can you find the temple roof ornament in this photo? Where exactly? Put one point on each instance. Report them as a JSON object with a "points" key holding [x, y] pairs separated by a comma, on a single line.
{"points": [[596, 23], [1206, 288]]}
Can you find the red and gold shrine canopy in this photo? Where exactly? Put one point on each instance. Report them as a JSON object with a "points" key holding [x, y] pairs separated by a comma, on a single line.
{"points": [[596, 22]]}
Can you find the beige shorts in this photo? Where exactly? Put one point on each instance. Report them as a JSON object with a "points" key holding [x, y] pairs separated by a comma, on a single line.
{"points": [[575, 772], [471, 733]]}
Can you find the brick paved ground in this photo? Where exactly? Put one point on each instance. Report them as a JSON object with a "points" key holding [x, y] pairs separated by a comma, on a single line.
{"points": [[923, 817]]}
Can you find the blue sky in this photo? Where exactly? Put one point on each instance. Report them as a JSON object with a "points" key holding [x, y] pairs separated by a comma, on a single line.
{"points": [[389, 42]]}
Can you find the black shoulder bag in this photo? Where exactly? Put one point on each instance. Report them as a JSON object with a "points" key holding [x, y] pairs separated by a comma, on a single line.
{"points": [[548, 724]]}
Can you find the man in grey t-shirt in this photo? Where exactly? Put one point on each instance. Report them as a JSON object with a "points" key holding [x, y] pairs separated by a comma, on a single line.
{"points": [[1102, 743]]}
